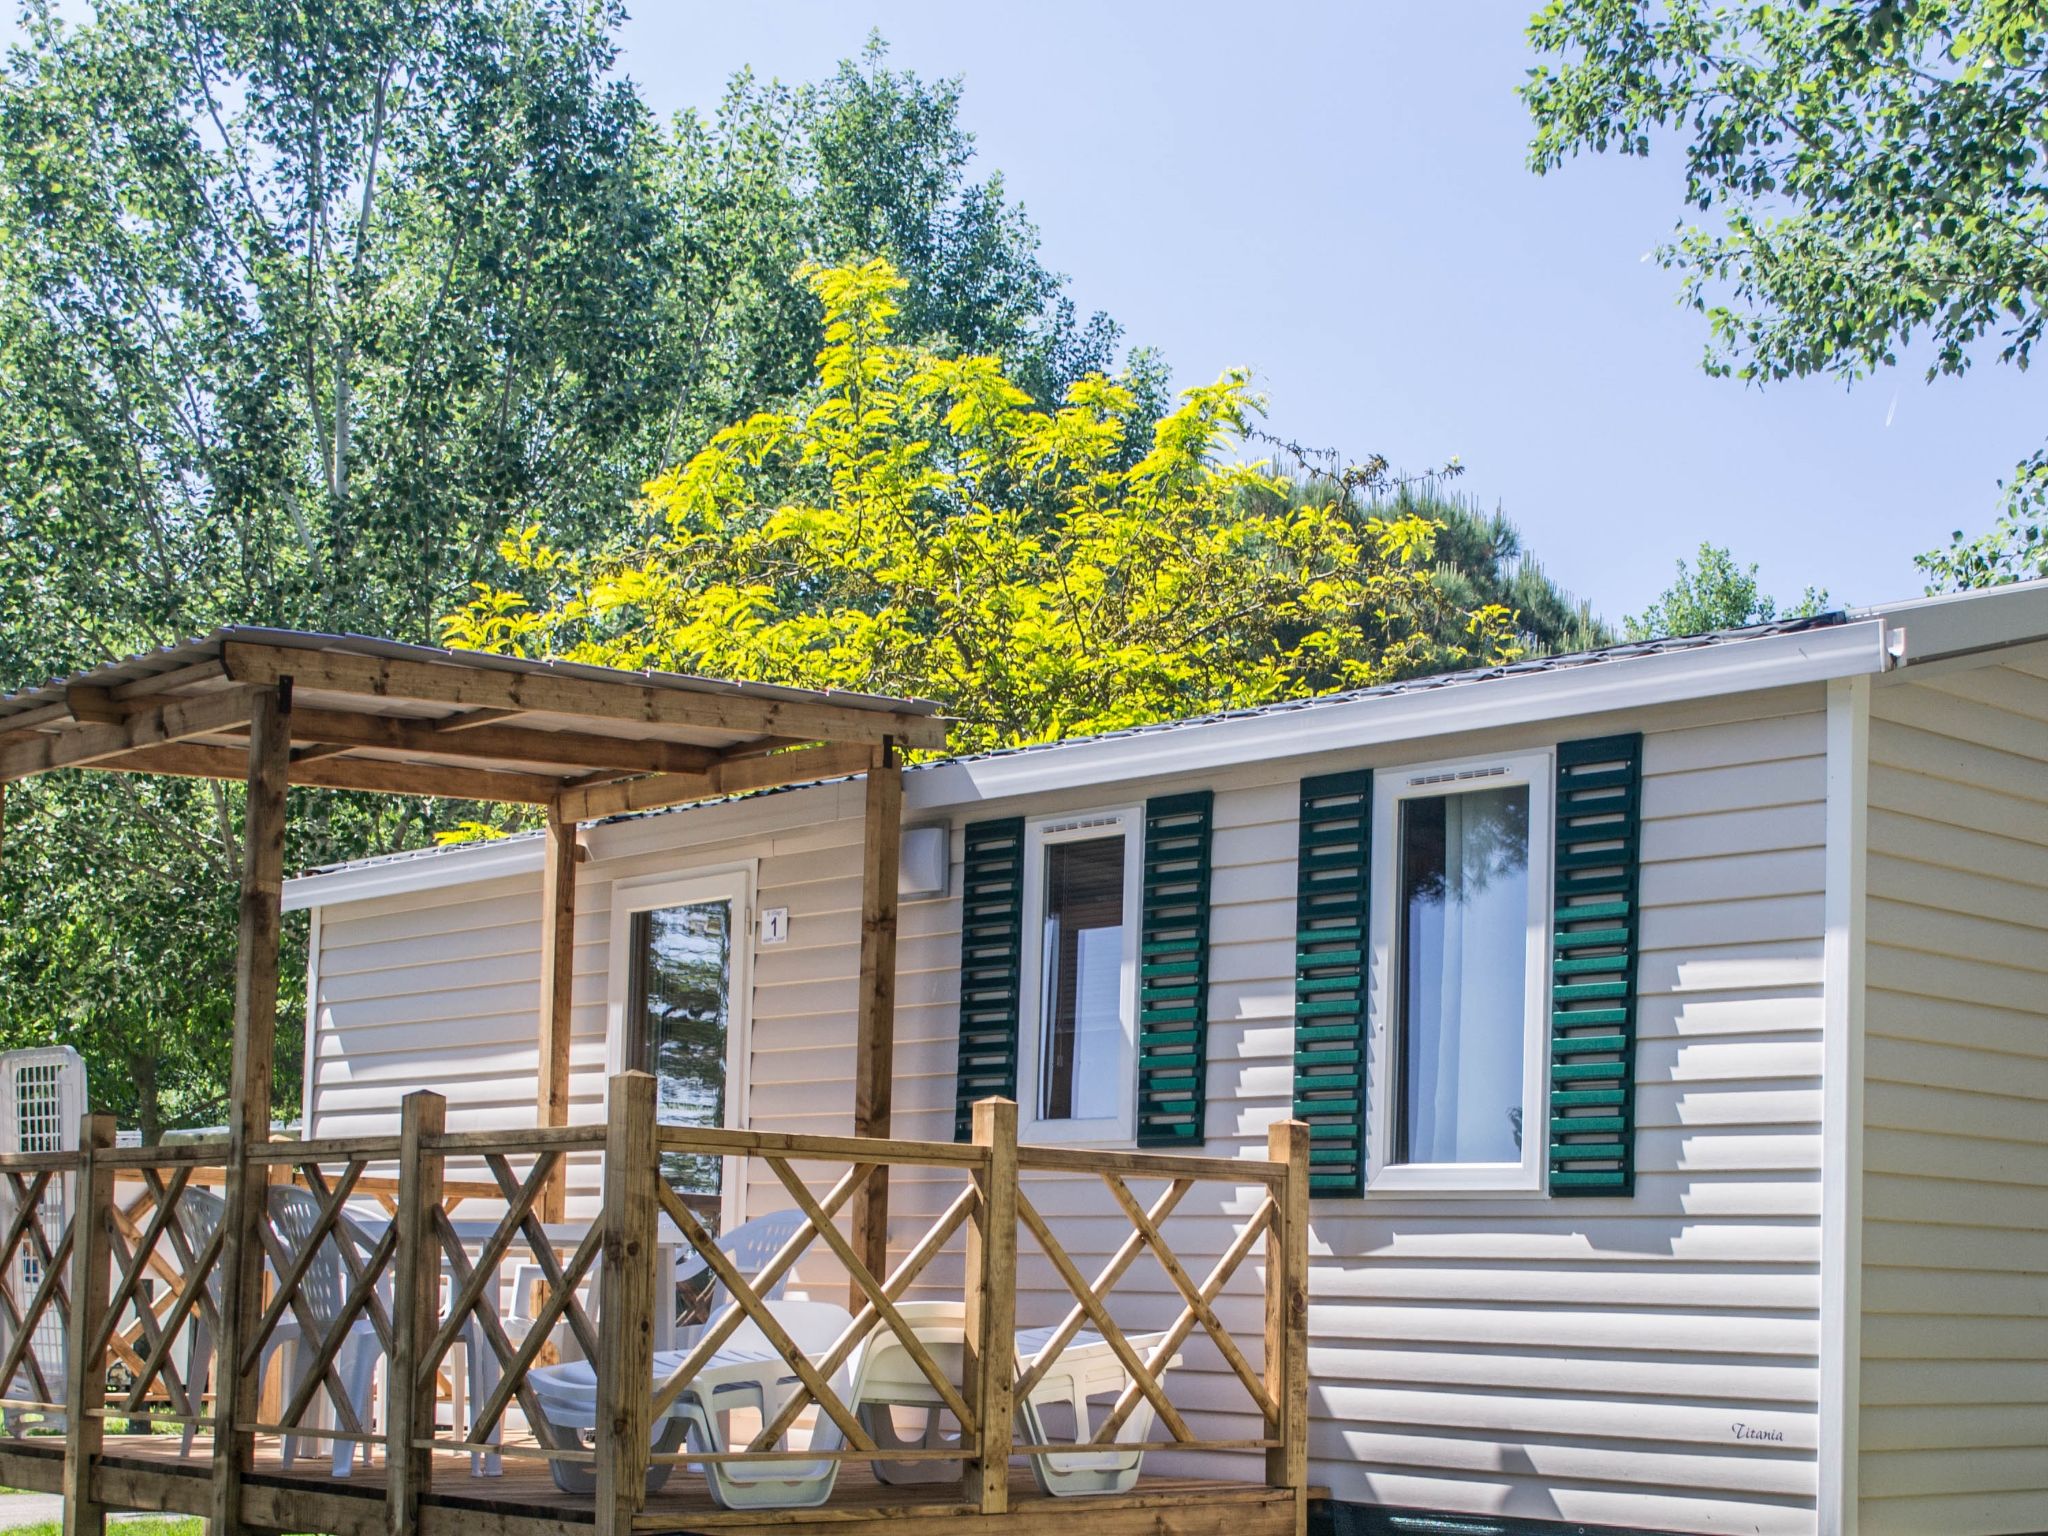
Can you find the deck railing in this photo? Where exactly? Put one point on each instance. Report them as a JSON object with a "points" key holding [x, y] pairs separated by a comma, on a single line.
{"points": [[128, 1255]]}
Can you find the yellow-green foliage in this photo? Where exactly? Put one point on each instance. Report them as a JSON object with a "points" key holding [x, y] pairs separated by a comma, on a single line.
{"points": [[919, 527]]}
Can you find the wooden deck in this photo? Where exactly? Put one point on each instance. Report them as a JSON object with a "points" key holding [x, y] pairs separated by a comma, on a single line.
{"points": [[145, 1472]]}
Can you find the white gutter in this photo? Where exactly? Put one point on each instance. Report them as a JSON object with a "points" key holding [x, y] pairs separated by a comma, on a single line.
{"points": [[1667, 677], [1523, 698], [458, 865]]}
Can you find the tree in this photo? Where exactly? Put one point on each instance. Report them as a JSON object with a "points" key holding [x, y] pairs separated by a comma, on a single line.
{"points": [[298, 308], [1870, 176], [1715, 594], [948, 537], [1480, 561], [868, 162]]}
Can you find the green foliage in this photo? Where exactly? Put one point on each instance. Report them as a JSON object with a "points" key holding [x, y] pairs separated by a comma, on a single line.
{"points": [[1715, 594], [1481, 562], [1868, 175], [919, 525], [1479, 558], [298, 307]]}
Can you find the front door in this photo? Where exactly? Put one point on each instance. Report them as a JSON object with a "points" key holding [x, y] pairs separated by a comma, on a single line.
{"points": [[683, 993]]}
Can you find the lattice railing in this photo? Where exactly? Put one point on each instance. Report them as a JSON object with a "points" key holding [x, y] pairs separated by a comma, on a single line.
{"points": [[353, 1263], [1261, 1231], [39, 1191]]}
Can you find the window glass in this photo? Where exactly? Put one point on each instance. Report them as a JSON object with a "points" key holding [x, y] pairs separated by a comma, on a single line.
{"points": [[680, 1010], [1462, 982], [1081, 980]]}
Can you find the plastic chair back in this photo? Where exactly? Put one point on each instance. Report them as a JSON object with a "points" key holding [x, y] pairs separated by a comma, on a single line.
{"points": [[750, 1246], [294, 1213]]}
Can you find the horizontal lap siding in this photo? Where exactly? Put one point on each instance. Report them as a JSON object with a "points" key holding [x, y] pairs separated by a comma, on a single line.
{"points": [[1954, 1421], [1584, 1360], [1590, 1360], [441, 990]]}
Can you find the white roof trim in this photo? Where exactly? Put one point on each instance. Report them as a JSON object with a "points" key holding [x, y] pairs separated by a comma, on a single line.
{"points": [[449, 866], [1769, 661]]}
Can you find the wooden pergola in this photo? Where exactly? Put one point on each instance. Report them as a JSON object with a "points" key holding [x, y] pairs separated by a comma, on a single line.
{"points": [[276, 708]]}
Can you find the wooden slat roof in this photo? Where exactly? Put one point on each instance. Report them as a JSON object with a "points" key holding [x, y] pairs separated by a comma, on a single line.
{"points": [[380, 715]]}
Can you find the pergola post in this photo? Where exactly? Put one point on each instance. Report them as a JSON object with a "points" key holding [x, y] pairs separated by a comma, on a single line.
{"points": [[255, 1049], [557, 990], [874, 1066]]}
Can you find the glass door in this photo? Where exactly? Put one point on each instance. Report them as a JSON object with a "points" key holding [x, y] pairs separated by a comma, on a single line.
{"points": [[682, 990]]}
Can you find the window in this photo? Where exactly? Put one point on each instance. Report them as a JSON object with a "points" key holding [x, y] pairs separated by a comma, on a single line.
{"points": [[1460, 917], [679, 991], [1079, 994]]}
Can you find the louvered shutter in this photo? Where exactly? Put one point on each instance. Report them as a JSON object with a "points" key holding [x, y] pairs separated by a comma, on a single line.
{"points": [[1333, 886], [1173, 970], [1593, 967], [991, 950]]}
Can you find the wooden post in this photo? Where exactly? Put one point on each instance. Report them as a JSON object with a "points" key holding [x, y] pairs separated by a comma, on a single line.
{"points": [[991, 1326], [255, 1050], [85, 1368], [874, 1069], [626, 1301], [557, 979], [1287, 1318], [416, 1312]]}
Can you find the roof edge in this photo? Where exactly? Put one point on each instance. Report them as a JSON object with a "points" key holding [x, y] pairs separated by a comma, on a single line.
{"points": [[1813, 655], [1768, 661]]}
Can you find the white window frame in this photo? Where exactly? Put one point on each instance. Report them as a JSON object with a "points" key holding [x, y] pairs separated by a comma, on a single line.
{"points": [[1393, 788], [733, 883], [1041, 833]]}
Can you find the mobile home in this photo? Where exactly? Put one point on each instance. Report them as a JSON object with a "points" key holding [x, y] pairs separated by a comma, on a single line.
{"points": [[1671, 1022]]}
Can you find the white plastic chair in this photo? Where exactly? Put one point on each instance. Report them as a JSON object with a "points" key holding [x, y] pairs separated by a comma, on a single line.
{"points": [[198, 1216], [1086, 1369], [747, 1372], [750, 1246], [294, 1213], [888, 1379]]}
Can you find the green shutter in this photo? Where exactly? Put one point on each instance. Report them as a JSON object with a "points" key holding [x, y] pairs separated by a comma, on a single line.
{"points": [[1593, 967], [991, 948], [1173, 970], [1333, 887]]}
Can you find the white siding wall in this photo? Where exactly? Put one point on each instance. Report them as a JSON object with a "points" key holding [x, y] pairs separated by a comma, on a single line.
{"points": [[1586, 1360], [1590, 1359], [1954, 1424]]}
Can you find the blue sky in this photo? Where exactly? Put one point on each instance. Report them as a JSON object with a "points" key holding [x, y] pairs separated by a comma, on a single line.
{"points": [[1334, 195]]}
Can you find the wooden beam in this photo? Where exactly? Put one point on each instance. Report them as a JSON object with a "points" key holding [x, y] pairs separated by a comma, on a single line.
{"points": [[625, 1336], [85, 1365], [194, 761], [172, 681], [485, 687], [249, 1084], [574, 748], [1287, 1141], [557, 979], [729, 776], [167, 722], [990, 1332], [475, 717], [31, 723], [93, 706], [874, 1052], [416, 1311]]}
